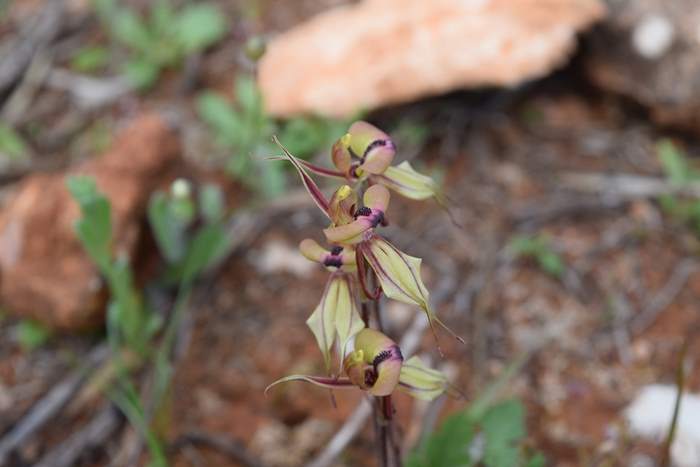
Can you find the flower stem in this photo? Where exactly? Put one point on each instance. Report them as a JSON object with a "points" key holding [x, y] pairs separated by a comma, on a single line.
{"points": [[383, 408]]}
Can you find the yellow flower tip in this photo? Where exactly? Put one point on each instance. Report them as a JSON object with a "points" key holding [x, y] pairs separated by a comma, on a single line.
{"points": [[345, 140]]}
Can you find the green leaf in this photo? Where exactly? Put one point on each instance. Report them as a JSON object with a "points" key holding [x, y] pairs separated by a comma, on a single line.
{"points": [[538, 460], [209, 244], [503, 426], [221, 117], [304, 136], [199, 26], [211, 203], [162, 18], [90, 59], [142, 74], [167, 230], [675, 164], [248, 97], [448, 446], [31, 334], [11, 143], [551, 263], [94, 229], [130, 30]]}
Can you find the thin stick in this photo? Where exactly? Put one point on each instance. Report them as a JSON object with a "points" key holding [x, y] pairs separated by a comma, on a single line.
{"points": [[680, 384]]}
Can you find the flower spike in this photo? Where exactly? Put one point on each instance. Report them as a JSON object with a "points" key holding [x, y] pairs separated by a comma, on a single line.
{"points": [[308, 182]]}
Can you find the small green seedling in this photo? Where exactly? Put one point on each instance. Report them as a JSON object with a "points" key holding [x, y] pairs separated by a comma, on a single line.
{"points": [[679, 173], [539, 249], [245, 132], [191, 237], [90, 59], [12, 146], [31, 334], [161, 39]]}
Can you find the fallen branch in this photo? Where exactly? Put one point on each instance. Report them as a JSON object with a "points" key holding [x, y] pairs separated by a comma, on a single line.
{"points": [[229, 447], [50, 405], [92, 435]]}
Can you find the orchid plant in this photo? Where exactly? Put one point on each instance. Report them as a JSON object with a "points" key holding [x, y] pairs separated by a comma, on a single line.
{"points": [[363, 265]]}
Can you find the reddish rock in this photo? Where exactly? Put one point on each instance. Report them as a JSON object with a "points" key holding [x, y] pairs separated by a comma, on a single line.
{"points": [[44, 271], [382, 52]]}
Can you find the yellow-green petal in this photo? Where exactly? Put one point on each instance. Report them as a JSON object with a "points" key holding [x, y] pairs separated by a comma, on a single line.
{"points": [[421, 381], [322, 320]]}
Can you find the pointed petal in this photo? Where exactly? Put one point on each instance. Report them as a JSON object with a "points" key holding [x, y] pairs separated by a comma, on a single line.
{"points": [[349, 233], [376, 197], [313, 168], [406, 181], [322, 320], [399, 276], [347, 317], [421, 381], [312, 250], [322, 381], [308, 182]]}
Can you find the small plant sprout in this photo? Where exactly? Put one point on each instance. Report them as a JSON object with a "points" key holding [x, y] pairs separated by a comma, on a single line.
{"points": [[364, 265]]}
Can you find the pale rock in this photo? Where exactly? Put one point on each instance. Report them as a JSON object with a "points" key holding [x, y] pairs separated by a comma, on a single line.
{"points": [[650, 414], [379, 52], [276, 257]]}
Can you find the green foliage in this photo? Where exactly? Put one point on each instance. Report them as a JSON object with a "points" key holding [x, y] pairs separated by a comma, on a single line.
{"points": [[90, 59], [163, 38], [539, 249], [679, 174], [31, 334], [188, 244], [494, 439], [172, 217], [12, 145], [245, 131], [488, 432], [132, 323]]}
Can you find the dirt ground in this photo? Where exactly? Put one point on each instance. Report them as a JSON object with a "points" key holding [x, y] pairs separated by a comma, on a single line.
{"points": [[612, 323]]}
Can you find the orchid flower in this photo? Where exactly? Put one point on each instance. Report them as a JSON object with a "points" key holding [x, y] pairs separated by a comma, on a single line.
{"points": [[366, 152], [398, 273], [376, 365], [336, 318]]}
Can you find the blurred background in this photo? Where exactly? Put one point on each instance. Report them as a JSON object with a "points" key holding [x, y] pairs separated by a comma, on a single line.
{"points": [[150, 282]]}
